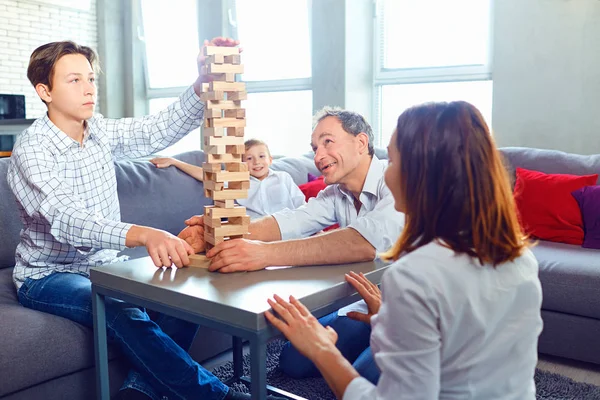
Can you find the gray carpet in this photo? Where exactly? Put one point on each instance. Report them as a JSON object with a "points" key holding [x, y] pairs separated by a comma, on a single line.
{"points": [[549, 386]]}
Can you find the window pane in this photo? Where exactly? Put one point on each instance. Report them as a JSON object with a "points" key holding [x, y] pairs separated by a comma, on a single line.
{"points": [[455, 33], [171, 36], [397, 98], [188, 143], [279, 49], [283, 120]]}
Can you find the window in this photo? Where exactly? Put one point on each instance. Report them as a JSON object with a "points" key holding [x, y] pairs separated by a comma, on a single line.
{"points": [[283, 120], [188, 143], [279, 49], [171, 38], [431, 56], [397, 98], [277, 71]]}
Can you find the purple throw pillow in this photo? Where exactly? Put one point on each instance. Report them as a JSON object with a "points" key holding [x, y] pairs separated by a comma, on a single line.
{"points": [[588, 198], [312, 177]]}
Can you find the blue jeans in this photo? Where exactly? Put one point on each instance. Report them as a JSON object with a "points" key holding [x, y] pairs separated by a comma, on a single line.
{"points": [[156, 348], [353, 343]]}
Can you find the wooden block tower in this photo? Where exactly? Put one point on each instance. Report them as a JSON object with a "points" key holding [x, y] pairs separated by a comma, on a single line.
{"points": [[226, 177]]}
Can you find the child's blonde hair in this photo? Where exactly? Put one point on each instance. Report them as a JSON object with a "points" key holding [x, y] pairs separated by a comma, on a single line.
{"points": [[256, 142]]}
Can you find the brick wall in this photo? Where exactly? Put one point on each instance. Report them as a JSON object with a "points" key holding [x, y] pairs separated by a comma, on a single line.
{"points": [[27, 24]]}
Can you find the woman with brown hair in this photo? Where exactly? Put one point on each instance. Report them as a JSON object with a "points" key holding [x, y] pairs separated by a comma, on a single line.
{"points": [[459, 311]]}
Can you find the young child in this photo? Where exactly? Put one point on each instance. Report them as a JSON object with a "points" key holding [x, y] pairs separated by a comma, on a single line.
{"points": [[270, 191], [63, 178]]}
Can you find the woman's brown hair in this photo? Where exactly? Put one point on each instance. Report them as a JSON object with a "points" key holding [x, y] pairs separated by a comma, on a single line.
{"points": [[455, 185]]}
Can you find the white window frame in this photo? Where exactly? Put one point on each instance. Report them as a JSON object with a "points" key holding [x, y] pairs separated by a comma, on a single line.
{"points": [[397, 76]]}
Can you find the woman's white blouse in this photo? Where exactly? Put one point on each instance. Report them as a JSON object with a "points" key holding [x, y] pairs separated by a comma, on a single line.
{"points": [[449, 328]]}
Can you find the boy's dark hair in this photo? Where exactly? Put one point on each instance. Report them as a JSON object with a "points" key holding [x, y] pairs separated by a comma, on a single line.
{"points": [[255, 142], [44, 59]]}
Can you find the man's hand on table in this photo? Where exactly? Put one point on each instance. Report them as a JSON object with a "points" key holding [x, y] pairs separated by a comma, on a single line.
{"points": [[239, 255]]}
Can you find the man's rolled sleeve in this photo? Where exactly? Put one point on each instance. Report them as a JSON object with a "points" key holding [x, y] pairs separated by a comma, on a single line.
{"points": [[308, 219], [382, 226]]}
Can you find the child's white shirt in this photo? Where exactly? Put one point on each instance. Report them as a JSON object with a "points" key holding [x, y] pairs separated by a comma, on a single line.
{"points": [[274, 193]]}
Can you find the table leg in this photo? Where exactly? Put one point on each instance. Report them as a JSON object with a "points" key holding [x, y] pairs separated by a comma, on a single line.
{"points": [[238, 364], [258, 368], [100, 346]]}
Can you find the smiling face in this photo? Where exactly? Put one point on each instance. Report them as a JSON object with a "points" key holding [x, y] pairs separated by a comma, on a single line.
{"points": [[258, 159], [73, 93], [337, 152]]}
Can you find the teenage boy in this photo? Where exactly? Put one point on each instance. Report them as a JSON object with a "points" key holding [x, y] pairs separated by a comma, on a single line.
{"points": [[63, 178]]}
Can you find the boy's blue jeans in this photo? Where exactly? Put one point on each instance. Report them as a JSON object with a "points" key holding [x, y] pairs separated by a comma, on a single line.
{"points": [[157, 349], [353, 343]]}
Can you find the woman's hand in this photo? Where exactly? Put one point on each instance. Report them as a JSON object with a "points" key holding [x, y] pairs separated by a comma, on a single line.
{"points": [[369, 292], [301, 328]]}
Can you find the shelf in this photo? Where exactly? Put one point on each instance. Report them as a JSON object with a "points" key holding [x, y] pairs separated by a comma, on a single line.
{"points": [[14, 126]]}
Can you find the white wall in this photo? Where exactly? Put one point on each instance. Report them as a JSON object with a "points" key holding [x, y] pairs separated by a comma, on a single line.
{"points": [[547, 74], [27, 24]]}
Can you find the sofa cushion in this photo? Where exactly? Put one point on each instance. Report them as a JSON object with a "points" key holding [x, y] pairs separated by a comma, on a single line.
{"points": [[10, 223], [570, 277], [549, 161], [547, 209], [36, 346], [588, 199]]}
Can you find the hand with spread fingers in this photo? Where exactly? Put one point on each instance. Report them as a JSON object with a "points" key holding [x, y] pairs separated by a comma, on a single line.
{"points": [[301, 328], [193, 233], [237, 255], [369, 292]]}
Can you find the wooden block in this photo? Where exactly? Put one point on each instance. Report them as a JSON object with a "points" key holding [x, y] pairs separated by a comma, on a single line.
{"points": [[236, 167], [235, 131], [229, 122], [224, 104], [228, 194], [235, 113], [236, 96], [204, 87], [212, 167], [231, 176], [227, 86], [239, 185], [213, 222], [211, 239], [213, 113], [235, 149], [224, 50], [212, 185], [221, 212], [224, 69], [227, 230], [225, 204], [199, 261], [219, 149], [215, 59], [215, 96], [227, 140], [234, 59], [216, 131], [245, 220], [224, 77], [224, 158]]}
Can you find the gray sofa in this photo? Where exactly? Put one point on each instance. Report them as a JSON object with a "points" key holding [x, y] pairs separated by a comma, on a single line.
{"points": [[37, 362]]}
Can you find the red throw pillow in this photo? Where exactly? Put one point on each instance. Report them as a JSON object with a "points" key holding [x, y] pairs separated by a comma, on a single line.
{"points": [[312, 189], [547, 210]]}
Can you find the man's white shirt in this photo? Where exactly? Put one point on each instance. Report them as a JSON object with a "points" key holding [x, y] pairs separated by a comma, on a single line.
{"points": [[377, 220], [274, 193]]}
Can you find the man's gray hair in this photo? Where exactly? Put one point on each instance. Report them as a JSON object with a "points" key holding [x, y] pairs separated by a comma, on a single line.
{"points": [[352, 122]]}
